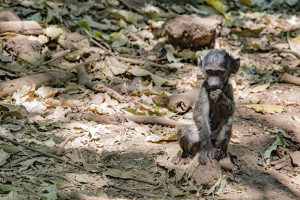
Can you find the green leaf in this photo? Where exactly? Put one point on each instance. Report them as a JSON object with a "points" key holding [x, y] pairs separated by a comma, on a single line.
{"points": [[49, 193], [118, 43], [3, 157], [8, 188], [278, 142], [13, 195], [217, 5], [35, 17], [84, 25], [187, 54], [128, 16]]}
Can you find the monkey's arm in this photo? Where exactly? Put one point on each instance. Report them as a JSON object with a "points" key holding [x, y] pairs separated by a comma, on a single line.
{"points": [[227, 99]]}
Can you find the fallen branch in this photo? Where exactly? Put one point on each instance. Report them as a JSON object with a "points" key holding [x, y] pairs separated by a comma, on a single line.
{"points": [[52, 78], [38, 151], [287, 78], [23, 27], [103, 119], [117, 119]]}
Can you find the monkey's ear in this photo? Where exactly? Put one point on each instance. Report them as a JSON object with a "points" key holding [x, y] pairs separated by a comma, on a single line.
{"points": [[199, 61], [235, 66]]}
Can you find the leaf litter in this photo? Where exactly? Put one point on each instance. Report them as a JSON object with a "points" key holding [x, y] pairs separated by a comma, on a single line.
{"points": [[121, 159]]}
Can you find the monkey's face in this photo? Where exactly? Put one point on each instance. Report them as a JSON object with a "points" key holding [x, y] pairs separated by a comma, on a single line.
{"points": [[217, 66]]}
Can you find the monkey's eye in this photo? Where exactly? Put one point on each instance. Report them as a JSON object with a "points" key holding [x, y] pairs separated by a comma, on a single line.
{"points": [[209, 72], [214, 72], [219, 72]]}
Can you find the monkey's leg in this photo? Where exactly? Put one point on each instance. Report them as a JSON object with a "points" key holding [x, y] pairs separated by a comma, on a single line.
{"points": [[223, 140], [188, 139]]}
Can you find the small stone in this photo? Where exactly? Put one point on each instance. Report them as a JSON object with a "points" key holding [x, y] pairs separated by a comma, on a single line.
{"points": [[295, 156]]}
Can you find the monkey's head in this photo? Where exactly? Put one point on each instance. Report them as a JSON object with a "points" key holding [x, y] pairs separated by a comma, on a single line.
{"points": [[217, 66]]}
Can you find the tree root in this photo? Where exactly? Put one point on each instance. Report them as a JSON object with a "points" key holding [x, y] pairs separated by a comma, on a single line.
{"points": [[179, 103], [23, 27], [117, 119], [287, 78], [51, 78]]}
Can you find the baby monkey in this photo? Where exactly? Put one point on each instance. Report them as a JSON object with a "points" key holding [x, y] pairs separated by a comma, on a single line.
{"points": [[213, 110]]}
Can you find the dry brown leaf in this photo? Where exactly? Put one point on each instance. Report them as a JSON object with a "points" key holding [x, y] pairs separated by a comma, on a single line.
{"points": [[266, 108], [158, 139], [295, 44], [260, 88]]}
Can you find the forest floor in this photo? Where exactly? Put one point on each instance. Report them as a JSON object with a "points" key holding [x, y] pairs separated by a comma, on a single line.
{"points": [[71, 137]]}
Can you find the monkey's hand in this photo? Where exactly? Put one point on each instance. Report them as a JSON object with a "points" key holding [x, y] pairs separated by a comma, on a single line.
{"points": [[215, 95], [206, 154]]}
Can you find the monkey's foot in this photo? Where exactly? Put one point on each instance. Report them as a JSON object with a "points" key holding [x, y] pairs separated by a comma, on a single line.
{"points": [[181, 160], [219, 154], [206, 155]]}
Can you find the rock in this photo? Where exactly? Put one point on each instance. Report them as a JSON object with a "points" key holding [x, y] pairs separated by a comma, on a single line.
{"points": [[204, 175], [295, 156], [192, 31]]}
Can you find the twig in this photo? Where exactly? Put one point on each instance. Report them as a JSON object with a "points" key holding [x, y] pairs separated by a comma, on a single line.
{"points": [[131, 60], [287, 51], [61, 54], [38, 151], [99, 87]]}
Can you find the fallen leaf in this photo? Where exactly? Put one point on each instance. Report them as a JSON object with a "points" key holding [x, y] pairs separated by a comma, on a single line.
{"points": [[116, 173], [86, 178], [158, 139], [266, 108], [220, 184], [218, 5], [278, 142], [187, 54], [53, 32], [116, 66], [260, 88], [49, 192], [295, 44], [9, 188], [296, 179], [143, 72], [128, 16], [3, 157], [13, 195]]}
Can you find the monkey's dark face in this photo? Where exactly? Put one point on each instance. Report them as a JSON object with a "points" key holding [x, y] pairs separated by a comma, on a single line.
{"points": [[217, 66]]}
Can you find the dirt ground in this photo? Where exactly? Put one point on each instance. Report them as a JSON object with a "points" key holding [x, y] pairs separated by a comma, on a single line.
{"points": [[68, 94]]}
